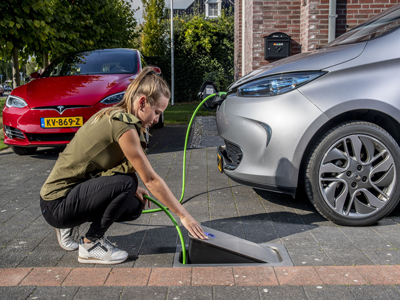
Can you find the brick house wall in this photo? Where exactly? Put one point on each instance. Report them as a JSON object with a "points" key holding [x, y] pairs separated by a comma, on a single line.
{"points": [[306, 21]]}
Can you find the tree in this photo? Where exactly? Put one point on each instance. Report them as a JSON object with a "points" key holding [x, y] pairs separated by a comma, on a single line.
{"points": [[44, 28], [24, 22], [85, 25], [153, 32]]}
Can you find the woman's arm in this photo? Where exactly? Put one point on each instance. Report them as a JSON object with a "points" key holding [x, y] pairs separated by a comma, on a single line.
{"points": [[130, 145]]}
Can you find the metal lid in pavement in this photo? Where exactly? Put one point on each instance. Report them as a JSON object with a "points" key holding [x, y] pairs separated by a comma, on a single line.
{"points": [[240, 246]]}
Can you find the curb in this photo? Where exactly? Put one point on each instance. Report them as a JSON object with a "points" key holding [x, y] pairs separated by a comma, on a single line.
{"points": [[204, 276]]}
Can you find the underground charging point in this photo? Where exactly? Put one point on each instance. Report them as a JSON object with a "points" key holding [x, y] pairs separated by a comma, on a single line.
{"points": [[222, 249]]}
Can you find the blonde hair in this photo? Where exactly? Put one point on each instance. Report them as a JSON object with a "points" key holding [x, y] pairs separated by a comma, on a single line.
{"points": [[147, 83]]}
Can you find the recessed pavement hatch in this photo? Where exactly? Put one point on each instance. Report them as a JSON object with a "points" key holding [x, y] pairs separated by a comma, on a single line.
{"points": [[222, 249]]}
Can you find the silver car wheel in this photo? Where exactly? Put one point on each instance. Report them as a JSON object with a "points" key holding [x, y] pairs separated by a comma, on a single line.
{"points": [[357, 176], [352, 172]]}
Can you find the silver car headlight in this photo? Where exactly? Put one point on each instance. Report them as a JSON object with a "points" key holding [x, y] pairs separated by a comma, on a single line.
{"points": [[115, 98], [277, 84], [14, 101]]}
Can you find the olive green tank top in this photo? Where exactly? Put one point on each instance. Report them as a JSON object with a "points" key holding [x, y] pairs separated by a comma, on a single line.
{"points": [[94, 151]]}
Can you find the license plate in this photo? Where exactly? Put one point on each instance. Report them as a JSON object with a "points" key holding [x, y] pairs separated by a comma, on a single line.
{"points": [[220, 163], [61, 122]]}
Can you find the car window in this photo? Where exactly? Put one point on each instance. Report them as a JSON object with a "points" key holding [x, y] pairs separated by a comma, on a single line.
{"points": [[377, 26], [92, 63]]}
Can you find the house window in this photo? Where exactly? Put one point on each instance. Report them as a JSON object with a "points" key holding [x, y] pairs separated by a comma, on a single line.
{"points": [[213, 9]]}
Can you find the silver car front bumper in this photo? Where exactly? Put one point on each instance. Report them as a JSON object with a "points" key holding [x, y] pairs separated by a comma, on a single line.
{"points": [[272, 134]]}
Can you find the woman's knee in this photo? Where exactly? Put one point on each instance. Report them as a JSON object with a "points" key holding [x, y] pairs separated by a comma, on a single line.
{"points": [[129, 181]]}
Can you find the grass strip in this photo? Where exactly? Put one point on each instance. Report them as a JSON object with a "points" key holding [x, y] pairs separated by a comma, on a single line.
{"points": [[181, 113]]}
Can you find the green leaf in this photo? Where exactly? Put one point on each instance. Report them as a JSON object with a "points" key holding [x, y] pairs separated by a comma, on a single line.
{"points": [[10, 45], [11, 23], [26, 9], [36, 23]]}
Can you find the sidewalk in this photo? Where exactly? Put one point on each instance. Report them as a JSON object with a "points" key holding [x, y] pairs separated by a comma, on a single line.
{"points": [[330, 261]]}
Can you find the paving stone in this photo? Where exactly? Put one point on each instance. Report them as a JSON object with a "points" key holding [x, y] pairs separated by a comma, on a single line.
{"points": [[282, 293], [301, 244], [212, 276], [10, 277], [16, 292], [190, 292], [236, 292], [98, 292], [297, 276], [335, 275], [144, 292], [70, 260], [51, 293], [383, 257], [371, 292], [42, 257], [257, 276], [12, 260], [328, 292], [159, 260], [46, 276], [372, 243], [87, 277], [346, 255], [310, 257], [380, 275], [170, 277], [128, 277]]}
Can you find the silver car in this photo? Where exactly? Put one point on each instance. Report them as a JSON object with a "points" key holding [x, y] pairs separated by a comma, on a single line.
{"points": [[328, 120]]}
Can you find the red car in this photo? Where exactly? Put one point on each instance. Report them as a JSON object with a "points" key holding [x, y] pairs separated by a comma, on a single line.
{"points": [[50, 109]]}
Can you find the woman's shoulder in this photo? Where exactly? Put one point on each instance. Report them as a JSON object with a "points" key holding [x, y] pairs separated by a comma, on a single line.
{"points": [[126, 118]]}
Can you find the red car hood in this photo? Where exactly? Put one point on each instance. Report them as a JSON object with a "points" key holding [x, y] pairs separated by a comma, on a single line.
{"points": [[71, 90]]}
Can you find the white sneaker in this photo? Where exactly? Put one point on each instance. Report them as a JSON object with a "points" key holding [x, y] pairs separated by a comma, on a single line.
{"points": [[66, 238], [100, 252]]}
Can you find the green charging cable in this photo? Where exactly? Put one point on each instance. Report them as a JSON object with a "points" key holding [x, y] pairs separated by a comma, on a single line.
{"points": [[165, 209], [184, 151]]}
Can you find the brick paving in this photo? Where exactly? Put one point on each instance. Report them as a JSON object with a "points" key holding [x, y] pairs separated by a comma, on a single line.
{"points": [[330, 261], [203, 276]]}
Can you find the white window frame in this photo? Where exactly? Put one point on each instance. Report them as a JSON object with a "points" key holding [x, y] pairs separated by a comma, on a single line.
{"points": [[208, 10]]}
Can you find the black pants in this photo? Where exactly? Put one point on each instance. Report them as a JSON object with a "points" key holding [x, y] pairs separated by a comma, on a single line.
{"points": [[102, 201]]}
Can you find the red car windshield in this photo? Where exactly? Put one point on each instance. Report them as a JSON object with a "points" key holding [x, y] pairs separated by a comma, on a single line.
{"points": [[93, 63], [377, 26]]}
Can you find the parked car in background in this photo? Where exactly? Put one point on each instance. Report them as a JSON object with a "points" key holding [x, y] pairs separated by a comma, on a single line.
{"points": [[1, 90], [49, 110], [327, 119], [7, 88]]}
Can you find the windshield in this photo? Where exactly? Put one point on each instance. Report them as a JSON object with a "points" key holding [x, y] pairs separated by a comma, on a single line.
{"points": [[93, 63], [380, 24]]}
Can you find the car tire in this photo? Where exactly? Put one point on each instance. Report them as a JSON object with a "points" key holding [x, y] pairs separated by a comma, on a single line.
{"points": [[160, 123], [24, 150], [352, 174]]}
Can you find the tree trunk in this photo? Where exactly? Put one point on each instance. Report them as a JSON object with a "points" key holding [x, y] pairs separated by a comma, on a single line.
{"points": [[45, 60], [15, 68]]}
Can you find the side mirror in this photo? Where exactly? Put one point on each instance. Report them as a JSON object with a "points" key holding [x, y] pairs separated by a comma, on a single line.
{"points": [[157, 70], [34, 75], [208, 88]]}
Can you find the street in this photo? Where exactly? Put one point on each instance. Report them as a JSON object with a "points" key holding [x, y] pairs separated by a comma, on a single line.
{"points": [[27, 241]]}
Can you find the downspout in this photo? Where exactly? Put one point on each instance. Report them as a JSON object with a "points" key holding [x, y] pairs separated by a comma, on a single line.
{"points": [[243, 33], [332, 21]]}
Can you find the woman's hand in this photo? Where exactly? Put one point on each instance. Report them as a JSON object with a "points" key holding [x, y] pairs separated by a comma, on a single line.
{"points": [[140, 192], [193, 227]]}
